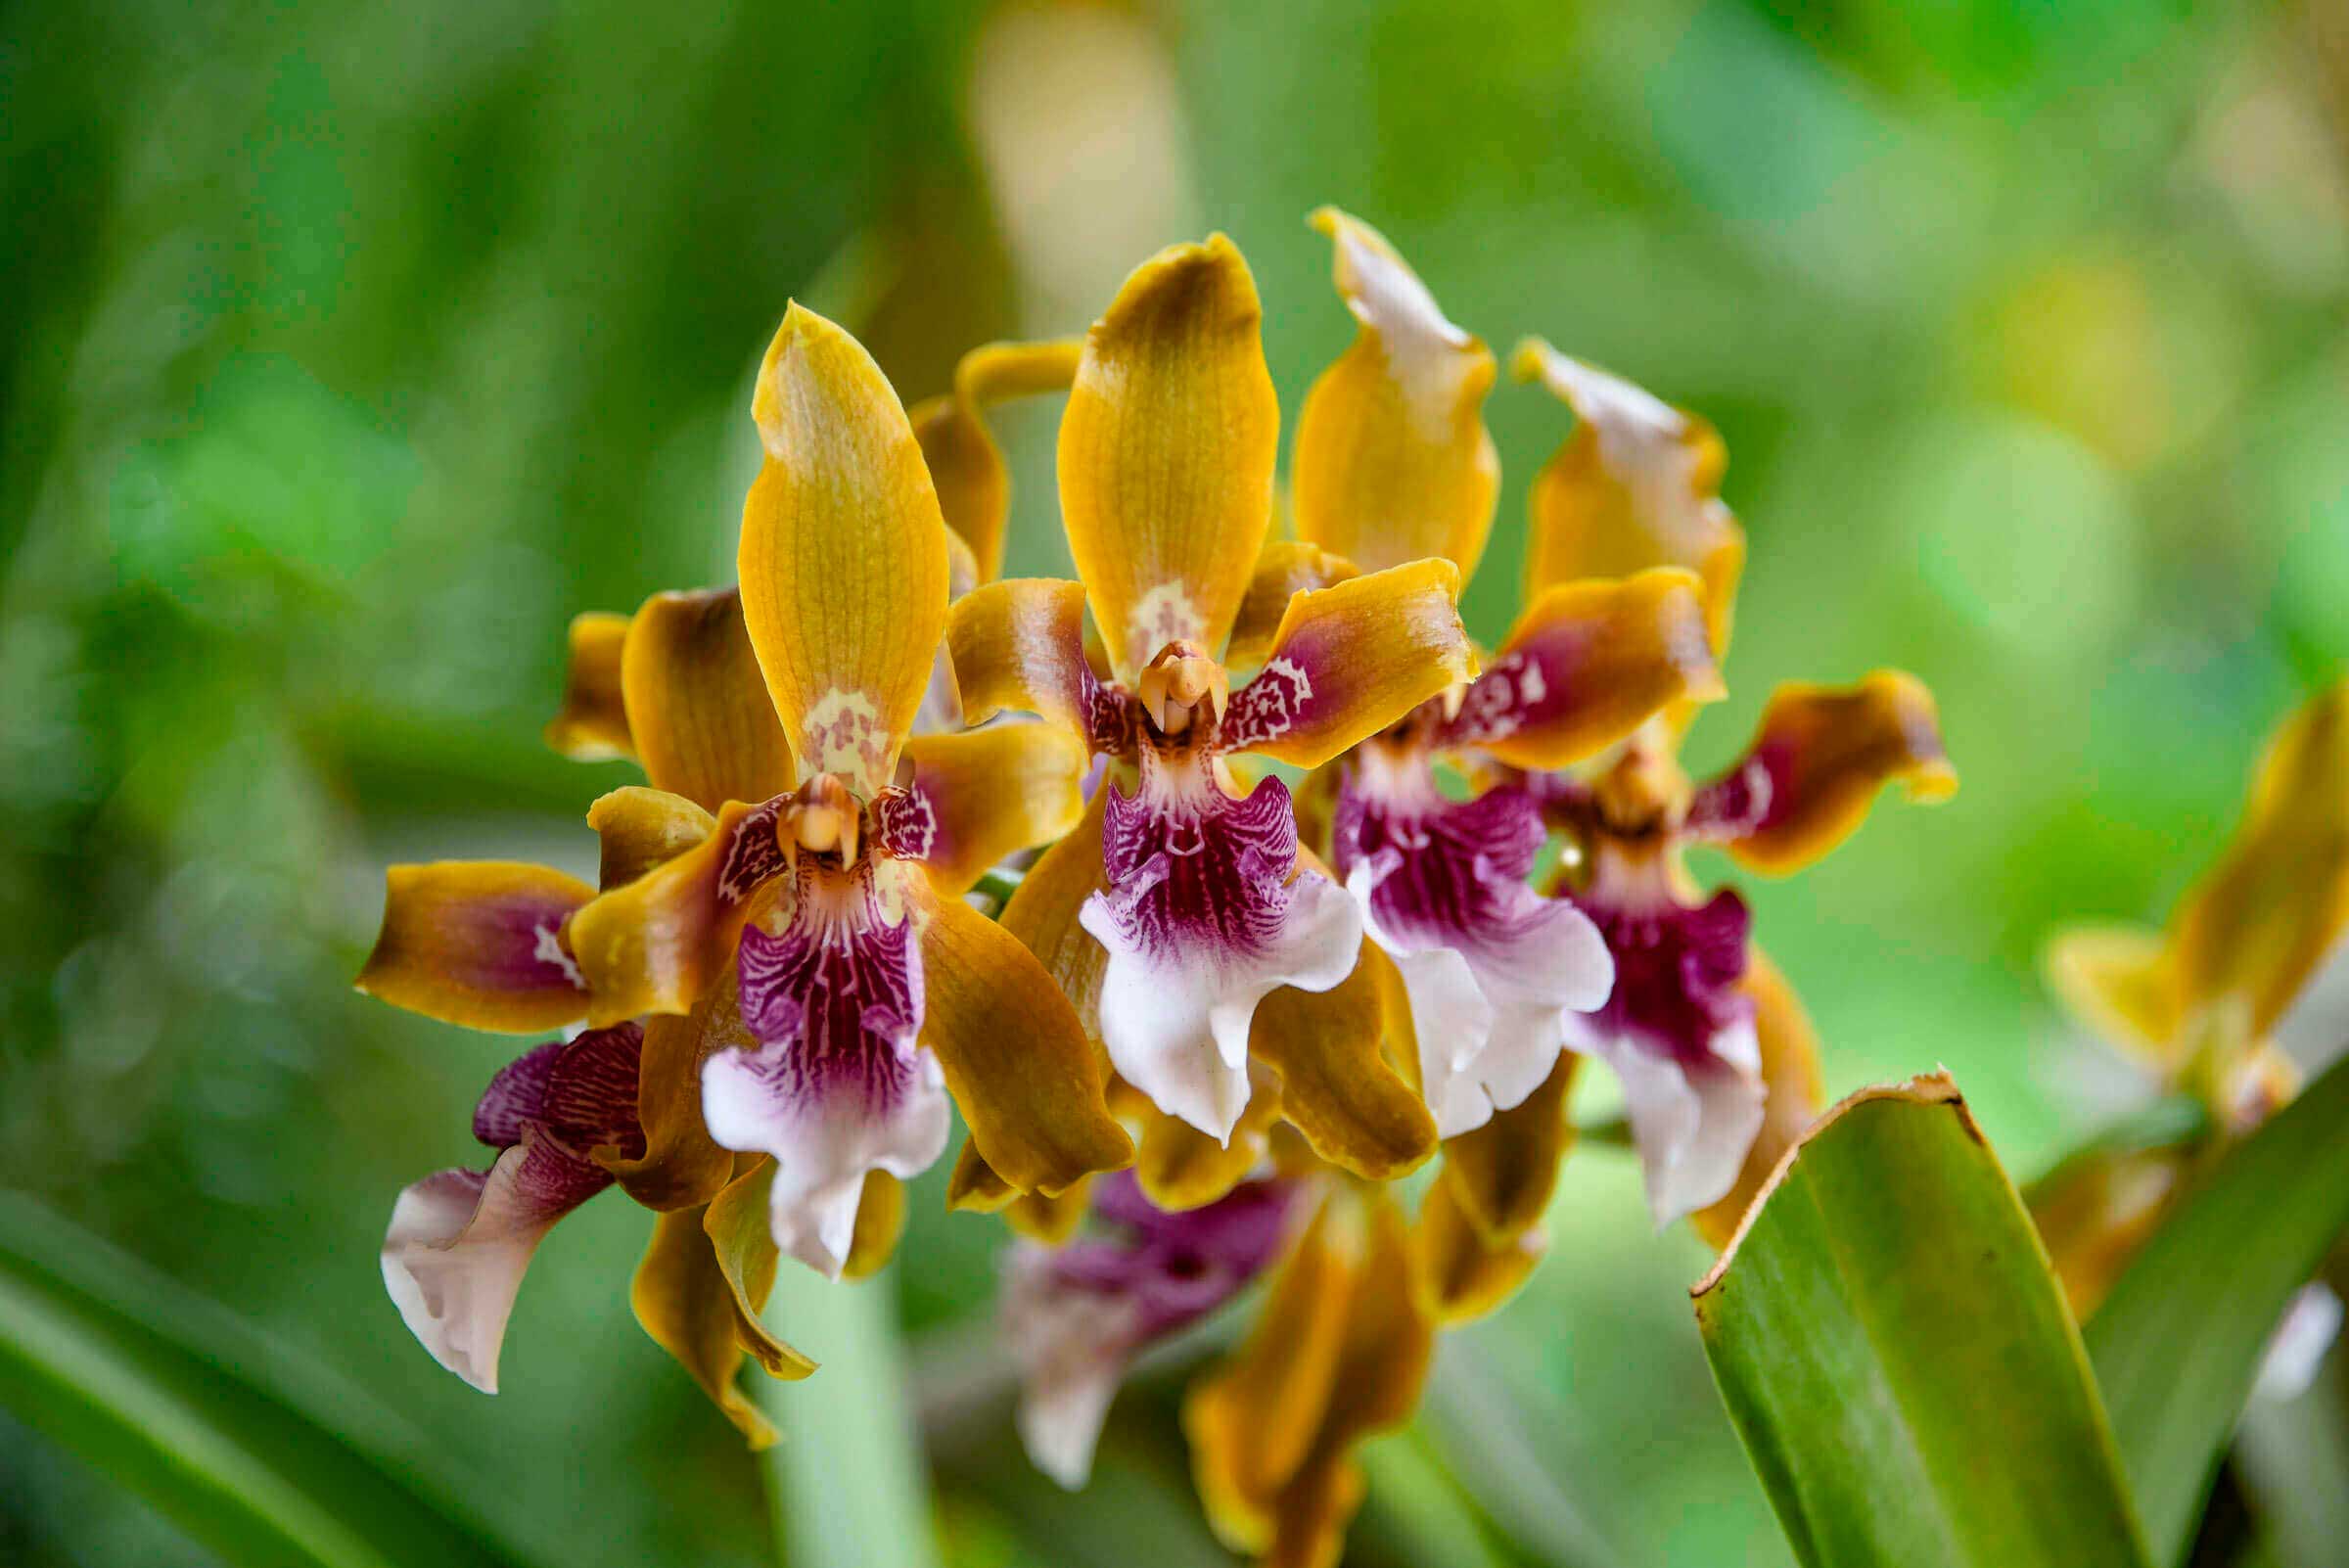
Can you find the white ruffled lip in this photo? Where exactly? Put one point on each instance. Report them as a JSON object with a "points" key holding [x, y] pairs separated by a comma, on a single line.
{"points": [[1693, 1126]]}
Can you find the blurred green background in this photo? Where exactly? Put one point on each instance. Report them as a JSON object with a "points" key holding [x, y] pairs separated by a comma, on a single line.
{"points": [[346, 351]]}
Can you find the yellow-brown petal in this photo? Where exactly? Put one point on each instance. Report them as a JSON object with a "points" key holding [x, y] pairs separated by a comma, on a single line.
{"points": [[642, 828], [975, 1187], [2118, 981], [1817, 761], [1587, 665], [1336, 1086], [985, 793], [1017, 1062], [480, 943], [1042, 913], [1466, 1274], [1181, 1168], [1793, 1092], [2257, 925], [844, 554], [704, 725], [1393, 460], [659, 943], [1636, 484], [1020, 644], [1349, 659], [974, 487], [592, 724], [1167, 453], [681, 1166], [1049, 1220], [741, 1236], [687, 1301], [880, 1222], [1505, 1173], [1285, 569]]}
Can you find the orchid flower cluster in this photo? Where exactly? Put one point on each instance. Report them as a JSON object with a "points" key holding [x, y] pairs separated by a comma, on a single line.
{"points": [[1325, 891]]}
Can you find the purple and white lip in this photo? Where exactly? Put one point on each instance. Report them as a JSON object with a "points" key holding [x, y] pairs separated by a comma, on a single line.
{"points": [[1679, 1029], [461, 1240], [1493, 970], [1078, 1315], [837, 1086]]}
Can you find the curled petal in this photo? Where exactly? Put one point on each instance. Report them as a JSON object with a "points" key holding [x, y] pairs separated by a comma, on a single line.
{"points": [[980, 796], [844, 554], [1020, 644], [1586, 665], [1286, 569], [686, 1305], [1181, 1168], [1814, 767], [747, 1257], [1340, 1352], [974, 1186], [481, 942], [592, 726], [641, 828], [1015, 1057], [657, 945], [974, 487], [1167, 453], [1638, 484], [1393, 460], [1468, 1275], [1793, 1093], [1050, 1221], [2260, 921], [705, 727], [2120, 982], [1336, 1088], [1349, 659], [1505, 1173], [1202, 920]]}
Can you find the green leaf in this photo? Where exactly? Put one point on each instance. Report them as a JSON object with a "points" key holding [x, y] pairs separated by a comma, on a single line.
{"points": [[177, 1400], [1898, 1358], [2178, 1341], [846, 1482]]}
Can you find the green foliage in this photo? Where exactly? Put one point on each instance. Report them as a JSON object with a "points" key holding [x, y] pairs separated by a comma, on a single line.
{"points": [[1898, 1358]]}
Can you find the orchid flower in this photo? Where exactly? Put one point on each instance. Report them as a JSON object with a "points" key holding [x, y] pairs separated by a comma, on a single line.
{"points": [[1717, 1061], [810, 984], [1182, 902], [2195, 1004]]}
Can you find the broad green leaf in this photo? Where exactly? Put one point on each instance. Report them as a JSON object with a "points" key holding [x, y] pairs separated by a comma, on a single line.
{"points": [[1899, 1361], [846, 1481], [2177, 1343], [158, 1392]]}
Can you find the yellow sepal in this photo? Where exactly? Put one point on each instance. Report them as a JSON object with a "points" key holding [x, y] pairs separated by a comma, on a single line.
{"points": [[704, 725], [974, 487], [592, 724]]}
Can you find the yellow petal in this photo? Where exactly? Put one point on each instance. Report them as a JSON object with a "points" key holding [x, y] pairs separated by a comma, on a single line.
{"points": [[641, 828], [1636, 484], [1393, 460], [1181, 1168], [985, 793], [1167, 453], [1050, 1220], [681, 1166], [844, 554], [741, 1236], [1505, 1173], [480, 943], [880, 1222], [974, 487], [1467, 1275], [1349, 659], [1586, 665], [975, 1186], [2119, 982], [658, 945], [1042, 915], [1027, 1082], [1336, 1087], [1819, 757], [592, 726], [704, 725], [2257, 925], [1284, 569], [1021, 645], [1792, 1093], [686, 1305]]}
